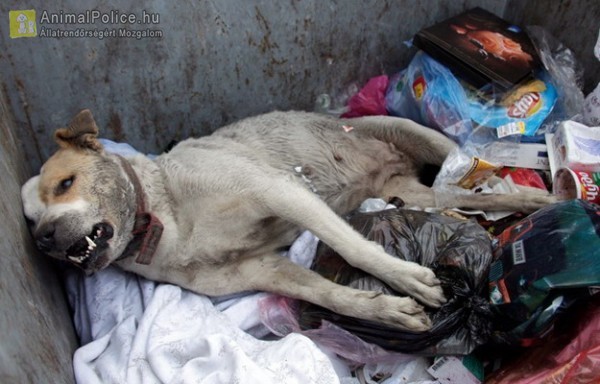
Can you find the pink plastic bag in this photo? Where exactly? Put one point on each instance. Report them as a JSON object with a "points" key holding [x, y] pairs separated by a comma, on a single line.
{"points": [[370, 100], [576, 363], [280, 315]]}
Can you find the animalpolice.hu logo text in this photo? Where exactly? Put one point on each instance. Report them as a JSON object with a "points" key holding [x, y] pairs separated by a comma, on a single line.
{"points": [[22, 23]]}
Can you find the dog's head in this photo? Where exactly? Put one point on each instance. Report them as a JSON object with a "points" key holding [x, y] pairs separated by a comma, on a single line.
{"points": [[81, 207]]}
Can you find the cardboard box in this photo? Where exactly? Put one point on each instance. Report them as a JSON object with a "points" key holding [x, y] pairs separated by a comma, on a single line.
{"points": [[481, 48], [521, 155], [575, 146]]}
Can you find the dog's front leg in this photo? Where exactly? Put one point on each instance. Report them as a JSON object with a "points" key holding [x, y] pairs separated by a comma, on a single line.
{"points": [[291, 201], [274, 273]]}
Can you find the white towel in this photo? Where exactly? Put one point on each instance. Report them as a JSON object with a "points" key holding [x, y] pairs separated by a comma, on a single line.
{"points": [[137, 331]]}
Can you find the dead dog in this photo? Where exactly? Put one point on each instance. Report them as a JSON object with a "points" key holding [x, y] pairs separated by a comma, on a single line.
{"points": [[213, 214]]}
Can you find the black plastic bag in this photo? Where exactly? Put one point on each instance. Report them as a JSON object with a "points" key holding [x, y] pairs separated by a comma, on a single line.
{"points": [[459, 252]]}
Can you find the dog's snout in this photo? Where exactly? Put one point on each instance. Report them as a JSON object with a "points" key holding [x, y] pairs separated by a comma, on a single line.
{"points": [[44, 238]]}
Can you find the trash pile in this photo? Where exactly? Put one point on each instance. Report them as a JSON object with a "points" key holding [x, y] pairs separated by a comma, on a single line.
{"points": [[522, 290]]}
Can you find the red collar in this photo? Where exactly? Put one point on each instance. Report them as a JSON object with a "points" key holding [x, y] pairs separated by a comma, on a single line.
{"points": [[147, 228]]}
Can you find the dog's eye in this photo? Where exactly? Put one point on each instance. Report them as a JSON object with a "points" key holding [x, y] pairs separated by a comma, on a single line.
{"points": [[64, 185]]}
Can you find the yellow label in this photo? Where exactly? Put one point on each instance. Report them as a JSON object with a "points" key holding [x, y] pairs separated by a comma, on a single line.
{"points": [[478, 173], [419, 87], [22, 23]]}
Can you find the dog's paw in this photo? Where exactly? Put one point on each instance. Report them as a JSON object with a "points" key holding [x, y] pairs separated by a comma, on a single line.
{"points": [[401, 313], [416, 281]]}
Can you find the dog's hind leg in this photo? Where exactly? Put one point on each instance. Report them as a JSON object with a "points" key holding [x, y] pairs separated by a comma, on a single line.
{"points": [[413, 193], [291, 201], [409, 190], [526, 201], [274, 273], [424, 145]]}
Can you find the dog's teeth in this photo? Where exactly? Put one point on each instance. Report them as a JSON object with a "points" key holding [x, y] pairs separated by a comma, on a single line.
{"points": [[76, 259], [90, 242]]}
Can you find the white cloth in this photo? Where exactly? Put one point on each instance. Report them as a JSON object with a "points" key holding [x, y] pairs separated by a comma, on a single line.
{"points": [[137, 331]]}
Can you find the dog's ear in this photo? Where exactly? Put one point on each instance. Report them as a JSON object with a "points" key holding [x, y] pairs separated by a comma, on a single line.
{"points": [[82, 132]]}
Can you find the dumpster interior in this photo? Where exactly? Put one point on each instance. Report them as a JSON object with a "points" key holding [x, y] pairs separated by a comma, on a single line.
{"points": [[200, 66]]}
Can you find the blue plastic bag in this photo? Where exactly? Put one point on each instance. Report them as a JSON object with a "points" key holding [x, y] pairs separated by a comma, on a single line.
{"points": [[428, 92]]}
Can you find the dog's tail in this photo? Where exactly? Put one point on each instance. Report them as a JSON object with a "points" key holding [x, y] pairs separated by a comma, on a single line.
{"points": [[424, 145]]}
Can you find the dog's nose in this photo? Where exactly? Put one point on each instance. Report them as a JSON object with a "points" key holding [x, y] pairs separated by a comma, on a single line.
{"points": [[45, 238]]}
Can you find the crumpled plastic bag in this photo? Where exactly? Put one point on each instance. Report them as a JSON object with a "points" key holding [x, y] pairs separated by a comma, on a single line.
{"points": [[591, 109], [459, 252], [566, 74], [370, 100], [429, 93], [566, 359]]}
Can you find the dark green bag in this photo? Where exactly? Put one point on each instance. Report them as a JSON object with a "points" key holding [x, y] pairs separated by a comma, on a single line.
{"points": [[544, 264]]}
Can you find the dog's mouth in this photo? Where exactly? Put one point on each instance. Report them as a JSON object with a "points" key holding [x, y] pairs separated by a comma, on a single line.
{"points": [[90, 246]]}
